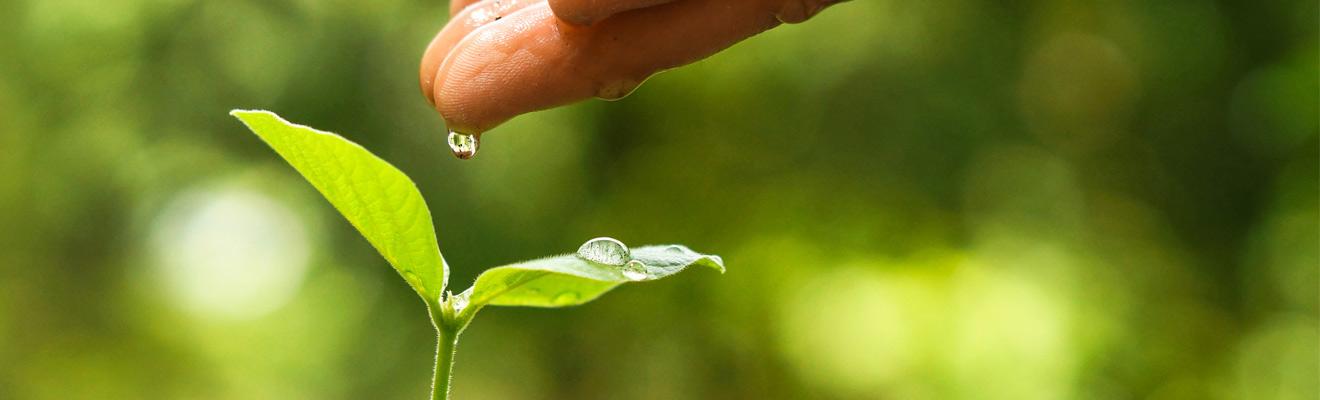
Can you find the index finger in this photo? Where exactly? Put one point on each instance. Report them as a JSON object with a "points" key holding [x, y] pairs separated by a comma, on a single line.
{"points": [[472, 16], [532, 60]]}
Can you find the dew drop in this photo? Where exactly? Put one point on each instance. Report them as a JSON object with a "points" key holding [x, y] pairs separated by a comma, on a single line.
{"points": [[634, 270], [460, 301], [464, 146], [604, 250]]}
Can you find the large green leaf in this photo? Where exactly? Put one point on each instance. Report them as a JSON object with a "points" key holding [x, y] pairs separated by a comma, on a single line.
{"points": [[379, 200], [569, 280]]}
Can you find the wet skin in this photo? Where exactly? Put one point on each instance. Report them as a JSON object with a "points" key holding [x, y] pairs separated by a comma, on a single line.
{"points": [[496, 59]]}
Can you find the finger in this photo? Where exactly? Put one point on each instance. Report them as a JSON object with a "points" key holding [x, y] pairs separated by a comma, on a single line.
{"points": [[587, 12], [470, 18], [532, 61]]}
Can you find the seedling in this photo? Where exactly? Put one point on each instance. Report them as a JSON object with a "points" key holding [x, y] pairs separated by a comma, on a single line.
{"points": [[386, 207]]}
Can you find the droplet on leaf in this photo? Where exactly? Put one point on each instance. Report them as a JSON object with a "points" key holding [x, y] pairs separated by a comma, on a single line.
{"points": [[634, 270], [459, 301], [604, 250]]}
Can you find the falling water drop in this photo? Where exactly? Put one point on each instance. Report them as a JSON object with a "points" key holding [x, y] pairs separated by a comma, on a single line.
{"points": [[634, 270], [464, 146], [604, 250]]}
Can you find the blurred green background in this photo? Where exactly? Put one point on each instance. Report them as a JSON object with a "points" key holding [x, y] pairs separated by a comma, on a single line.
{"points": [[958, 199]]}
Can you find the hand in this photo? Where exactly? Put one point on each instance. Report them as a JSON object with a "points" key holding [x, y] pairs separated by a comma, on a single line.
{"points": [[497, 59]]}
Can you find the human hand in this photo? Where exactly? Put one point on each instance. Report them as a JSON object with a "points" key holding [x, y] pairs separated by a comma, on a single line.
{"points": [[496, 59]]}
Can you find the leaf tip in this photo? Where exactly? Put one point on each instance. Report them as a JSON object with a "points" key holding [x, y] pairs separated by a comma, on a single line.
{"points": [[716, 262], [709, 260]]}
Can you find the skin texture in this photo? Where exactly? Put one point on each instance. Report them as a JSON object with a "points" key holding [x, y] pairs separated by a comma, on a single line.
{"points": [[587, 12], [497, 59]]}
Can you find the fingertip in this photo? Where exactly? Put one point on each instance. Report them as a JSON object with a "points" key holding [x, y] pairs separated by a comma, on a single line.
{"points": [[468, 16], [534, 60], [527, 62]]}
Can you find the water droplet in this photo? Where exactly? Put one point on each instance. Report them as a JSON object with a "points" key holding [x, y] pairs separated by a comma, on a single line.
{"points": [[459, 301], [604, 250], [464, 146], [634, 270]]}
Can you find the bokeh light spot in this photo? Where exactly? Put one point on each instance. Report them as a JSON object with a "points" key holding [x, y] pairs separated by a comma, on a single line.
{"points": [[850, 330], [229, 252], [1077, 91]]}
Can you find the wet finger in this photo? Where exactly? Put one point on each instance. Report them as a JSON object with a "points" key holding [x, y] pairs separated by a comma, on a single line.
{"points": [[533, 61], [475, 15]]}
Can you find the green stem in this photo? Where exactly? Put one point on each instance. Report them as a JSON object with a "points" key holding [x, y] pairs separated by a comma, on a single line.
{"points": [[447, 345], [449, 323]]}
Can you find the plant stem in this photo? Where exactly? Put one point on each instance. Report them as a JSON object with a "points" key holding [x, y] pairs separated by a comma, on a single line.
{"points": [[447, 345]]}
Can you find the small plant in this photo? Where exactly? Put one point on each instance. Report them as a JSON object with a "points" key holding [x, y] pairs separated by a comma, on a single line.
{"points": [[386, 207]]}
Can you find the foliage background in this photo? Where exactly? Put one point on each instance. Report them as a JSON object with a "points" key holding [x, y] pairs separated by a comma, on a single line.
{"points": [[957, 199]]}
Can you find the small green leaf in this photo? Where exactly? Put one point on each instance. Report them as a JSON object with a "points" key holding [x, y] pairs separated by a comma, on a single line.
{"points": [[569, 280], [379, 200]]}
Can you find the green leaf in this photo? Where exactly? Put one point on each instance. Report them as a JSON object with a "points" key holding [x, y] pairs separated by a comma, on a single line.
{"points": [[568, 280], [379, 200]]}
